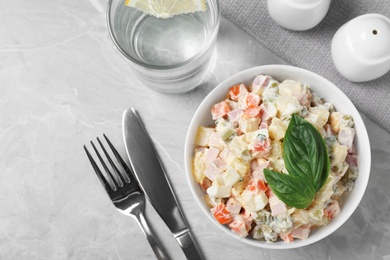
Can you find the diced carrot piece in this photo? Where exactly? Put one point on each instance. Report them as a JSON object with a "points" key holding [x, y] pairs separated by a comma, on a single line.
{"points": [[239, 227], [221, 214], [236, 91], [220, 110], [253, 99], [260, 145], [252, 111], [257, 186], [262, 185], [251, 186]]}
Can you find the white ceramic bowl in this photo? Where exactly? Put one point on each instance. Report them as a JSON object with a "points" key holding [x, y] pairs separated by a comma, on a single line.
{"points": [[323, 88]]}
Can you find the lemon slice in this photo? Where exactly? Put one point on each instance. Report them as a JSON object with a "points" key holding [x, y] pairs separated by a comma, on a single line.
{"points": [[167, 8]]}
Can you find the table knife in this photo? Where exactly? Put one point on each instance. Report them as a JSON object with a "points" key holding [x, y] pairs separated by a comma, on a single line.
{"points": [[153, 180]]}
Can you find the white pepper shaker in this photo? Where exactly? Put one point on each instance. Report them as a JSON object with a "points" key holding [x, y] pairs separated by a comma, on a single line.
{"points": [[361, 48], [298, 15]]}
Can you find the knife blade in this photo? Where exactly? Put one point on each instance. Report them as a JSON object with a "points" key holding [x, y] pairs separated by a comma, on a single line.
{"points": [[153, 180]]}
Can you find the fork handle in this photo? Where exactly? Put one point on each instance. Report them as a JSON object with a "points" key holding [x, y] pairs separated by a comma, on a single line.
{"points": [[157, 249]]}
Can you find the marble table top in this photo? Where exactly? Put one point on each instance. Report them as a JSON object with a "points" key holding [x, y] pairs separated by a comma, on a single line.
{"points": [[62, 84]]}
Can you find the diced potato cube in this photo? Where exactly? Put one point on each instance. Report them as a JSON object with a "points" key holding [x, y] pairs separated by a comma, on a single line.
{"points": [[215, 140], [339, 153], [282, 102], [223, 124], [249, 124], [271, 109], [334, 120], [230, 177], [240, 166], [238, 145], [261, 200], [219, 191], [290, 88], [240, 186], [270, 93], [203, 135], [253, 202], [292, 108], [300, 217], [318, 116], [246, 199], [324, 193], [276, 150], [276, 157], [218, 181], [277, 129], [279, 165], [199, 166]]}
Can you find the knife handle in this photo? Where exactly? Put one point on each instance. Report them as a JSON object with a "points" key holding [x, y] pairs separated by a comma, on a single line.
{"points": [[188, 245]]}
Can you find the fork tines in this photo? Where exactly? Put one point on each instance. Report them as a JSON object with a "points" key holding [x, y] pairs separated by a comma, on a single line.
{"points": [[118, 182]]}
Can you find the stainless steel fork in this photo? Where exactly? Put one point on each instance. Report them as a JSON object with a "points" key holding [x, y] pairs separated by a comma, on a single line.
{"points": [[124, 191]]}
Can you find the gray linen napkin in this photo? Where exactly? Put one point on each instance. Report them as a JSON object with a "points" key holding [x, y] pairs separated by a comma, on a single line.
{"points": [[312, 49]]}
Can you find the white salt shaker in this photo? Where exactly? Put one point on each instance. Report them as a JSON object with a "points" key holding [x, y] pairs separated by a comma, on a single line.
{"points": [[298, 15], [361, 48]]}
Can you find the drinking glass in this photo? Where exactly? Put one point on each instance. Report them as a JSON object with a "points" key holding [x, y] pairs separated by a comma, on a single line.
{"points": [[169, 55]]}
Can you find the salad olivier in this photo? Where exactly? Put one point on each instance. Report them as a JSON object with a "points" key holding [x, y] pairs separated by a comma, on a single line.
{"points": [[276, 161]]}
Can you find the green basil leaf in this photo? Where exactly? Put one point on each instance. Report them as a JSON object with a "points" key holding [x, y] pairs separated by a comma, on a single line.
{"points": [[307, 162], [292, 190], [305, 152]]}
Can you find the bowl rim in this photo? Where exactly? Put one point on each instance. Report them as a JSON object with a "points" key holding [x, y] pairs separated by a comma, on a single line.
{"points": [[302, 75]]}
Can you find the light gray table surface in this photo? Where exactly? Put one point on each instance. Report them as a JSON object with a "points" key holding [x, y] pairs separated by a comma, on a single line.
{"points": [[62, 84]]}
